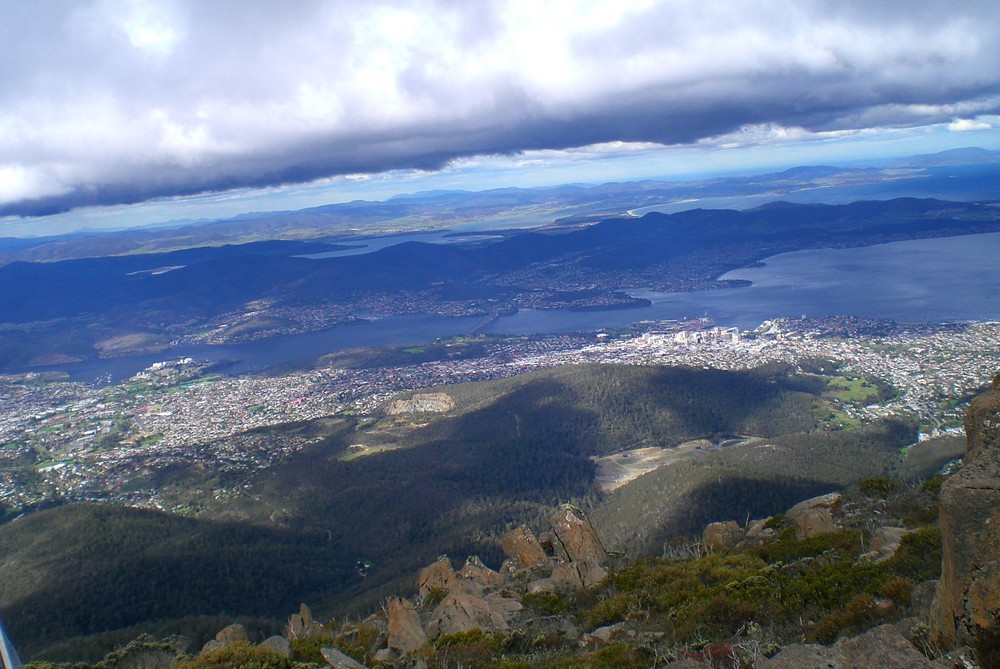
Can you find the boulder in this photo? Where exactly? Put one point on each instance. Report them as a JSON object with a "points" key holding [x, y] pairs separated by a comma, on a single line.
{"points": [[278, 645], [338, 660], [143, 658], [605, 633], [461, 612], [884, 544], [966, 607], [574, 538], [505, 606], [475, 571], [387, 656], [758, 532], [687, 663], [803, 656], [521, 546], [574, 576], [234, 633], [722, 535], [301, 624], [543, 585], [921, 599], [884, 647], [814, 516], [405, 633], [212, 645], [960, 658], [438, 576]]}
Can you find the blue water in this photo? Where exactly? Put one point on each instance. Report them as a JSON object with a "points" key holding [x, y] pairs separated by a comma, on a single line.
{"points": [[929, 280]]}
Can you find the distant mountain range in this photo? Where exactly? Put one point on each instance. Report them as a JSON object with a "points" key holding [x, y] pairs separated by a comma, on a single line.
{"points": [[174, 294], [560, 206]]}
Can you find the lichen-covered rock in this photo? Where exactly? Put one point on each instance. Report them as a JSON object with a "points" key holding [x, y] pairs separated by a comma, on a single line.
{"points": [[758, 532], [523, 548], [234, 633], [461, 612], [574, 538], [884, 544], [814, 516], [575, 576], [966, 608], [437, 576], [475, 571], [279, 645], [405, 632], [722, 535], [921, 599], [543, 585], [211, 646], [802, 656], [605, 633], [505, 606], [338, 660], [884, 647], [301, 624]]}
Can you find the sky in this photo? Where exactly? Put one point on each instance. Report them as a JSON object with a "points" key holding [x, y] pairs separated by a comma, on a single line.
{"points": [[116, 113]]}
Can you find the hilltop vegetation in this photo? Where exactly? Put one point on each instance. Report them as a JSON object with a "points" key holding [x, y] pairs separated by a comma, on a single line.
{"points": [[398, 490]]}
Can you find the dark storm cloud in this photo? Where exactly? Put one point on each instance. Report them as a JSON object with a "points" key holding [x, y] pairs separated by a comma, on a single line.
{"points": [[122, 101]]}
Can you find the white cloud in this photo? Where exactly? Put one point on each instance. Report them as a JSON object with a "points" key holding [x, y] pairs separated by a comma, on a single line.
{"points": [[141, 98], [968, 124]]}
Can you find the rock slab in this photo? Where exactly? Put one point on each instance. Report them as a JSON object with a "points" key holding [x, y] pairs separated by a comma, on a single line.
{"points": [[405, 632], [966, 607]]}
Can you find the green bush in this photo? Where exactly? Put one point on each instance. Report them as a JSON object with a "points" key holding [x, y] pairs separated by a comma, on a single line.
{"points": [[546, 602], [862, 612], [787, 548], [919, 555], [307, 649], [880, 486], [615, 656], [237, 656]]}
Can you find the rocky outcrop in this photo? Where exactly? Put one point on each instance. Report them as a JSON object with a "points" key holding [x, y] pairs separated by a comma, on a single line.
{"points": [[439, 576], [522, 547], [966, 608], [226, 637], [232, 634], [883, 647], [278, 645], [884, 543], [573, 538], [461, 612], [478, 574], [405, 632], [302, 625], [759, 531], [722, 535], [339, 660], [801, 656], [815, 516]]}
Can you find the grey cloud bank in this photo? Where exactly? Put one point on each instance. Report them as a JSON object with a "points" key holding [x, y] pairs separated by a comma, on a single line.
{"points": [[109, 102]]}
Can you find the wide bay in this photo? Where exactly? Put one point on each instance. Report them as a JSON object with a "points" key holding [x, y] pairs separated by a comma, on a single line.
{"points": [[926, 280]]}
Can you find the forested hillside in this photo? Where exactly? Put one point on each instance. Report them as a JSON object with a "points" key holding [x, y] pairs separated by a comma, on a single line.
{"points": [[400, 488]]}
